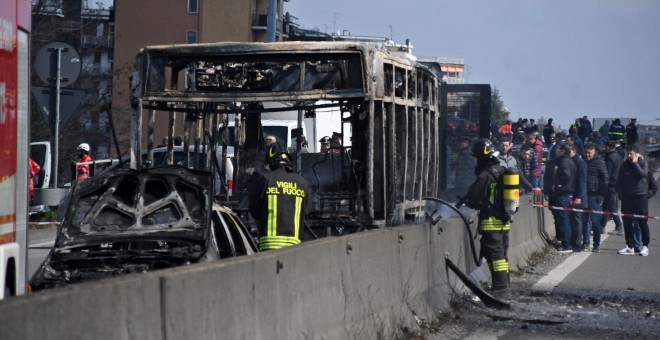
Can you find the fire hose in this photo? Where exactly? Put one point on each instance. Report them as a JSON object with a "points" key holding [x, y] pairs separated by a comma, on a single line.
{"points": [[488, 300], [477, 259]]}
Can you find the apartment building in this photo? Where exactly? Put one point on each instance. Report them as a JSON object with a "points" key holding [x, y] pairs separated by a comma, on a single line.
{"points": [[154, 22]]}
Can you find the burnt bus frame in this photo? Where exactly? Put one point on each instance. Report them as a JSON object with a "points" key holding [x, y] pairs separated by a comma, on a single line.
{"points": [[394, 114]]}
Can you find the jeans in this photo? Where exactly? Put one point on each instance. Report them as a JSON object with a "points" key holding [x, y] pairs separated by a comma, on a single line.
{"points": [[592, 204], [576, 225], [637, 234], [535, 181], [562, 220], [638, 205]]}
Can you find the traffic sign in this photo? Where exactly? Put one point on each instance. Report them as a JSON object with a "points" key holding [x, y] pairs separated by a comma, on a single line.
{"points": [[45, 63], [69, 101]]}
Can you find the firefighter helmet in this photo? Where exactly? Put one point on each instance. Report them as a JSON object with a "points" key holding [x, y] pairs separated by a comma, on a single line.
{"points": [[276, 154], [83, 146], [484, 149]]}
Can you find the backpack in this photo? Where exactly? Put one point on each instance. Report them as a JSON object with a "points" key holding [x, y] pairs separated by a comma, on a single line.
{"points": [[507, 191]]}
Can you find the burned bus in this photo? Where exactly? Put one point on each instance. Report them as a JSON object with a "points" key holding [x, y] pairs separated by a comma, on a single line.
{"points": [[387, 103]]}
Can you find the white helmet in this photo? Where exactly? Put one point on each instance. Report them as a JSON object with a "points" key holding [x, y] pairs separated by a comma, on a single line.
{"points": [[83, 146]]}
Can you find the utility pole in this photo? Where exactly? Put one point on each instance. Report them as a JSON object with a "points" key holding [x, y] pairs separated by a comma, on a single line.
{"points": [[271, 29], [334, 22]]}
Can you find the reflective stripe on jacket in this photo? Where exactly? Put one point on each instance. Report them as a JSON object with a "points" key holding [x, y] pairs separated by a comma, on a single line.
{"points": [[482, 196], [493, 224], [279, 201], [272, 240], [617, 131]]}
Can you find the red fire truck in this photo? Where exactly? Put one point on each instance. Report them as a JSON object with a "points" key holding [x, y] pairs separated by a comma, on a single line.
{"points": [[15, 28]]}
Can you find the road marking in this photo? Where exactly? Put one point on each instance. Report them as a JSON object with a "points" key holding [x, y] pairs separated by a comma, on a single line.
{"points": [[557, 275], [572, 262], [41, 244]]}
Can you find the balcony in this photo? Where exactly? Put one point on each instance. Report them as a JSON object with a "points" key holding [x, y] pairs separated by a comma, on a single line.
{"points": [[93, 41], [260, 23], [95, 13], [98, 69]]}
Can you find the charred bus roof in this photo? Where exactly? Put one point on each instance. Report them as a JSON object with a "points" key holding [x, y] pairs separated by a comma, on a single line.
{"points": [[227, 72]]}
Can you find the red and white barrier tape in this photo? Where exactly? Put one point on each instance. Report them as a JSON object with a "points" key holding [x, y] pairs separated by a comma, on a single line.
{"points": [[589, 211], [43, 223]]}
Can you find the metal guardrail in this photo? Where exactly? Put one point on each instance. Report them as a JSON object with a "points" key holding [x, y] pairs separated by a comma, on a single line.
{"points": [[652, 148]]}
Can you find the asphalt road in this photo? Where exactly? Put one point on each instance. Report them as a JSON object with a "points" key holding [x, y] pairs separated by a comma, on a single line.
{"points": [[568, 296], [608, 271], [40, 241]]}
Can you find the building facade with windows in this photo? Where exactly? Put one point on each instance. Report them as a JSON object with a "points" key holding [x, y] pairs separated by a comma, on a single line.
{"points": [[156, 22]]}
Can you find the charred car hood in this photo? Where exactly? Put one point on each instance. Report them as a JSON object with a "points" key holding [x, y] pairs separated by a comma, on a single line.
{"points": [[126, 205]]}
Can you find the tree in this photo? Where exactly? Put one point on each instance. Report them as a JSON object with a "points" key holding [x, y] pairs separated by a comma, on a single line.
{"points": [[500, 113]]}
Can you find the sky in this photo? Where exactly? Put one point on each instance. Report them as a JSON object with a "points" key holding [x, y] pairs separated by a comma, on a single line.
{"points": [[559, 59]]}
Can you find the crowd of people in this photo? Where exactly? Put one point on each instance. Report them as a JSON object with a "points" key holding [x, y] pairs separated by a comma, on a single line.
{"points": [[585, 168]]}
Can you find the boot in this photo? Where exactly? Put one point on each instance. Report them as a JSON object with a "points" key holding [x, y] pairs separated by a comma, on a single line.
{"points": [[500, 280]]}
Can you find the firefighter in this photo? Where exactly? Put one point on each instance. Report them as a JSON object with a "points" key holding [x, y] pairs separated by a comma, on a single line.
{"points": [[34, 170], [279, 200], [494, 225], [617, 131], [83, 171]]}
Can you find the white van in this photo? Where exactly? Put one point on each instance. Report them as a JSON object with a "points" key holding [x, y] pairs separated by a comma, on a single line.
{"points": [[40, 152], [282, 129]]}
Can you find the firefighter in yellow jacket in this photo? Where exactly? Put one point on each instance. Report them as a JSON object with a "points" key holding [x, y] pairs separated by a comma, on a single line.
{"points": [[494, 226], [279, 201]]}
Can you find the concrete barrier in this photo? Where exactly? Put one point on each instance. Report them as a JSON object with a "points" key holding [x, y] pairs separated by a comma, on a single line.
{"points": [[123, 308], [365, 285], [50, 196]]}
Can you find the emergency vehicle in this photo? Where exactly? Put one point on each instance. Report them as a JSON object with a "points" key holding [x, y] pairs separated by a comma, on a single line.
{"points": [[15, 22]]}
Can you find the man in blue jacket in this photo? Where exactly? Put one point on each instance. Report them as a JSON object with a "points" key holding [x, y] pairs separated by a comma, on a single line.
{"points": [[559, 185]]}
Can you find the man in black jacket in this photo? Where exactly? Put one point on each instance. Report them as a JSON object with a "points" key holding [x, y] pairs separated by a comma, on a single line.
{"points": [[613, 162], [631, 132], [579, 198], [632, 186], [585, 128], [548, 129], [559, 183], [597, 187], [653, 189], [279, 201]]}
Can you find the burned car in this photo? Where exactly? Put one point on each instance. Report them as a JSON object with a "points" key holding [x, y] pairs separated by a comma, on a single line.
{"points": [[133, 221]]}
